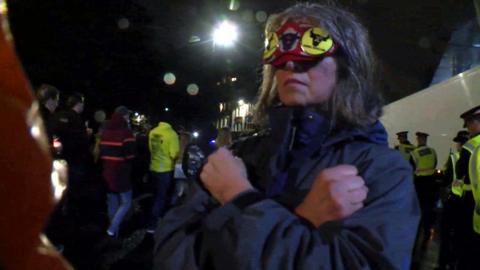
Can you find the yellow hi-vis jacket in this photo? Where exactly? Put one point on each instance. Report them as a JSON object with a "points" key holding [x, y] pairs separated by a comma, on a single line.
{"points": [[405, 150], [472, 146], [425, 159], [457, 185], [164, 148]]}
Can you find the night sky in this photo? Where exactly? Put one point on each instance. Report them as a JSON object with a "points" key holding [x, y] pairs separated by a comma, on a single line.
{"points": [[117, 51]]}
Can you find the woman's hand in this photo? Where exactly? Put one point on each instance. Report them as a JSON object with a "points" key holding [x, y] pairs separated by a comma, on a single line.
{"points": [[336, 193], [224, 176]]}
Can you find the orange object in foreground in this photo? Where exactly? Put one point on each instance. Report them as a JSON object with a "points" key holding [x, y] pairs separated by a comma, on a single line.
{"points": [[26, 197]]}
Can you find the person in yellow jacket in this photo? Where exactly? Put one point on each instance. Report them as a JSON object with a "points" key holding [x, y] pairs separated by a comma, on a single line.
{"points": [[424, 161], [452, 206], [164, 148], [404, 145], [467, 169]]}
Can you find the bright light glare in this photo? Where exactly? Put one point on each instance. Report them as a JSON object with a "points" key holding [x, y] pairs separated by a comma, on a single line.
{"points": [[167, 109], [192, 89], [3, 7], [58, 178], [169, 78], [195, 134], [241, 102], [35, 131], [234, 5], [225, 34]]}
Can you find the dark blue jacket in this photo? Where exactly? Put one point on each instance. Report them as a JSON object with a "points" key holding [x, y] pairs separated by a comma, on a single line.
{"points": [[265, 233]]}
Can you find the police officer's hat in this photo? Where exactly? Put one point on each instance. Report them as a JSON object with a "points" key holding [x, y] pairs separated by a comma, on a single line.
{"points": [[462, 136], [422, 134], [402, 133], [470, 114]]}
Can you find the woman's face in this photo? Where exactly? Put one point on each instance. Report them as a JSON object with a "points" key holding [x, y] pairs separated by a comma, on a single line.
{"points": [[312, 86]]}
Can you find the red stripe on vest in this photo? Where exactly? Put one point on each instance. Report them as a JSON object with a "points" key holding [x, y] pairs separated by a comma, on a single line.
{"points": [[111, 143]]}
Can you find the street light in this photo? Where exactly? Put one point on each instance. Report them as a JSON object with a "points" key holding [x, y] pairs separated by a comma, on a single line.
{"points": [[225, 34]]}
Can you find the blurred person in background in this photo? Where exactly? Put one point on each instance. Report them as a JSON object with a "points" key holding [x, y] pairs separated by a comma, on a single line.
{"points": [[74, 136], [180, 179], [404, 145], [164, 149], [452, 206], [117, 151], [424, 161], [48, 96]]}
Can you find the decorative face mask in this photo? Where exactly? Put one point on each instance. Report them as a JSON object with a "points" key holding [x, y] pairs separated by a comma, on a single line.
{"points": [[297, 42]]}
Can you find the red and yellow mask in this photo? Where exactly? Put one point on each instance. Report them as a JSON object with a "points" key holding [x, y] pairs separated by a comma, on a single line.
{"points": [[297, 42]]}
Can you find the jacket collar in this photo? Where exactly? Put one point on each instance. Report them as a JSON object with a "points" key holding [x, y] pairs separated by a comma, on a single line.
{"points": [[281, 124]]}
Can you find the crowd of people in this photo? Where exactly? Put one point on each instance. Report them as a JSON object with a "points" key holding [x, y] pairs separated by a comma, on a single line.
{"points": [[112, 150], [451, 189], [317, 187]]}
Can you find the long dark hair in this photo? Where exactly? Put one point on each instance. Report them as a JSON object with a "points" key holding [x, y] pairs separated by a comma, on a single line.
{"points": [[355, 100]]}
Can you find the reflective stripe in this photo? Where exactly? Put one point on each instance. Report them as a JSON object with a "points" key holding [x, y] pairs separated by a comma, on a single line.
{"points": [[117, 158], [469, 146], [112, 158], [467, 187], [473, 172], [110, 143], [454, 157], [129, 140]]}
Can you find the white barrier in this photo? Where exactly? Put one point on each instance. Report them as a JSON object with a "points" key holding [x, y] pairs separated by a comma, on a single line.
{"points": [[436, 111]]}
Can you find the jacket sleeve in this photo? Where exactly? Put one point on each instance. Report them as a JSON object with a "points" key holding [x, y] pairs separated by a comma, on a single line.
{"points": [[265, 235], [179, 233], [174, 147]]}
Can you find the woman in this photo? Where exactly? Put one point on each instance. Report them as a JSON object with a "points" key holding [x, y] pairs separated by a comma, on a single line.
{"points": [[117, 150], [320, 189]]}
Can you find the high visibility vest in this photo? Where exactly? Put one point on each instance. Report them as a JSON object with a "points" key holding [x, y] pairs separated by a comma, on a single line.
{"points": [[164, 148], [472, 146], [457, 185], [405, 150], [425, 159]]}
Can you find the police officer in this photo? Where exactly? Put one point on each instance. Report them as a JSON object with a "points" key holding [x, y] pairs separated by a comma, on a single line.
{"points": [[467, 169], [452, 206], [424, 161], [404, 146]]}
